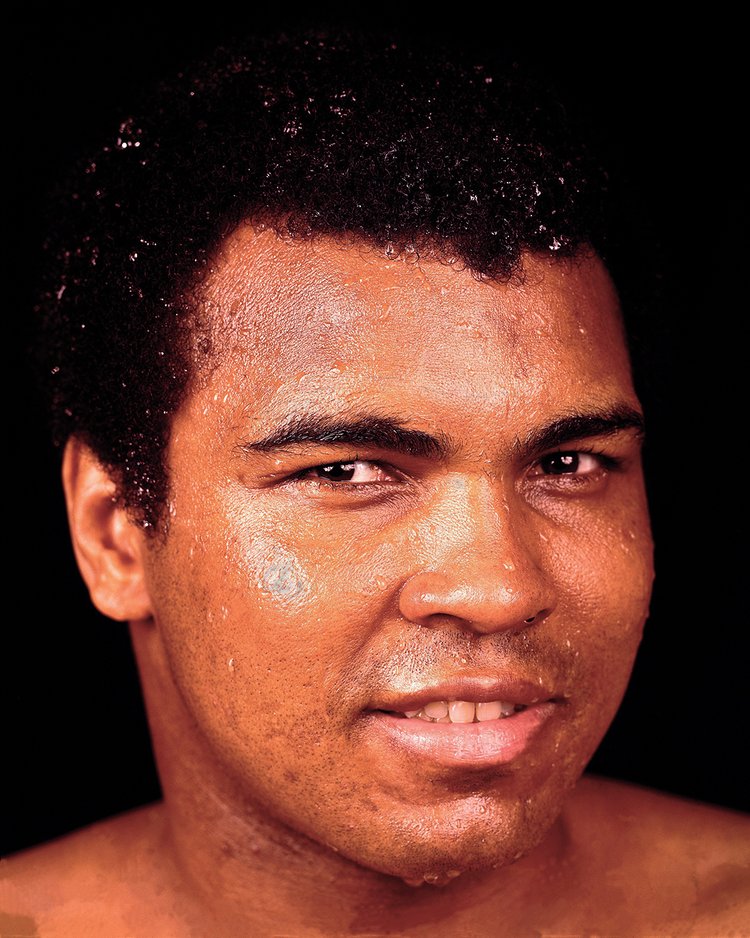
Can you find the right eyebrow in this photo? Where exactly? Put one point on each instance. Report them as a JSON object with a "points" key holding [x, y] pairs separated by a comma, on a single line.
{"points": [[362, 430]]}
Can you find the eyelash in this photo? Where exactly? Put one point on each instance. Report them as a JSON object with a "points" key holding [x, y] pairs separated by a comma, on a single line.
{"points": [[608, 463], [305, 476]]}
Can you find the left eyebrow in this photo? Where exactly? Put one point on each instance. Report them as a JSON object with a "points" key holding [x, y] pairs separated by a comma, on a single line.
{"points": [[581, 426]]}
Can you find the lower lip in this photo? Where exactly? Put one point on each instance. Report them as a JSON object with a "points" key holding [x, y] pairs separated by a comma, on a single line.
{"points": [[463, 745]]}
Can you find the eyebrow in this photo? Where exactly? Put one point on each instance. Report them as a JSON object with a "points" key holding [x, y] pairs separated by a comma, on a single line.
{"points": [[583, 425], [365, 430], [389, 433]]}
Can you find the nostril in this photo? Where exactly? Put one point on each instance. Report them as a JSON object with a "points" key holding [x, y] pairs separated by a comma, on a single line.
{"points": [[537, 617]]}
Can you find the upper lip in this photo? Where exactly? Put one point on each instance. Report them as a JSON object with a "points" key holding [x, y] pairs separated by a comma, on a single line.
{"points": [[477, 689]]}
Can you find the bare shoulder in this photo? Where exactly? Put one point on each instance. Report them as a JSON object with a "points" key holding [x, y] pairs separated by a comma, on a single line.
{"points": [[638, 811], [687, 863], [90, 882]]}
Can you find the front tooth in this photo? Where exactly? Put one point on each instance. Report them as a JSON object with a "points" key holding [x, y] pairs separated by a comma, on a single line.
{"points": [[489, 711], [435, 709], [411, 713], [508, 709], [461, 711]]}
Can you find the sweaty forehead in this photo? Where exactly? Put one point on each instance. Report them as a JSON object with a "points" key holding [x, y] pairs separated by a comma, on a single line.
{"points": [[314, 310]]}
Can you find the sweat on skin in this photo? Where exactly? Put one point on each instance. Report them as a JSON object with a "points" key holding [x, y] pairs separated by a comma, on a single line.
{"points": [[320, 330], [397, 488]]}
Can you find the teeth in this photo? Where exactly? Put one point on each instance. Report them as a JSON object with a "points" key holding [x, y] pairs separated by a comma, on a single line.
{"points": [[461, 711], [489, 711], [436, 709], [464, 711]]}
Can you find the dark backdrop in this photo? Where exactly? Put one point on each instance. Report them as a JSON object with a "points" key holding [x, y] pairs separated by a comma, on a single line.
{"points": [[666, 111]]}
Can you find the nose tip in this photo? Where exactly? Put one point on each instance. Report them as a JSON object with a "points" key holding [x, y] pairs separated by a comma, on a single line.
{"points": [[480, 604]]}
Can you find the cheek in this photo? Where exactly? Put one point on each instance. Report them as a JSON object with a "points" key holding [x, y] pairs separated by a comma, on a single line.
{"points": [[605, 575], [266, 639], [268, 616], [602, 564]]}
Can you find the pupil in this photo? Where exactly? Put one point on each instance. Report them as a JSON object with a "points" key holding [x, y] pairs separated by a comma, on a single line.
{"points": [[561, 463], [338, 472]]}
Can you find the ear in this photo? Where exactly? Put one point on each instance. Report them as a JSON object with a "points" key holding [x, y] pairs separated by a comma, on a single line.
{"points": [[108, 545]]}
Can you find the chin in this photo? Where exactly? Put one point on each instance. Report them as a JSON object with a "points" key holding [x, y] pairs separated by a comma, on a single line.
{"points": [[440, 846]]}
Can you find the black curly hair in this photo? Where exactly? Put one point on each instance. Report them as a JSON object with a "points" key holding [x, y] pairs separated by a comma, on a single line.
{"points": [[403, 148]]}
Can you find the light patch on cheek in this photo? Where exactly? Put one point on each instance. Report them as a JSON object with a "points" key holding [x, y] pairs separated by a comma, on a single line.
{"points": [[276, 571]]}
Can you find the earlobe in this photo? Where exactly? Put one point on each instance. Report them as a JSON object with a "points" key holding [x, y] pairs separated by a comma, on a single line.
{"points": [[108, 545]]}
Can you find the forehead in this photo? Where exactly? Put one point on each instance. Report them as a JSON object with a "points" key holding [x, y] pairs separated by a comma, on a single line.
{"points": [[297, 321]]}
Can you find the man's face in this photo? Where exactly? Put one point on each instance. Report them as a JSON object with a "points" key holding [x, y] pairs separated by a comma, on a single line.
{"points": [[401, 489]]}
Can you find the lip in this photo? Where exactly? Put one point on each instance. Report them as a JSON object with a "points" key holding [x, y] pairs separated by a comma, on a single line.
{"points": [[462, 745], [476, 689]]}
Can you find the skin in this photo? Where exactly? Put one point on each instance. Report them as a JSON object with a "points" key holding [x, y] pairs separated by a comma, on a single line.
{"points": [[285, 609]]}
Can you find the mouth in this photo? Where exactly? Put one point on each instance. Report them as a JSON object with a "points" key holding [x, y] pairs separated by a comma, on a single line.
{"points": [[463, 711], [466, 725]]}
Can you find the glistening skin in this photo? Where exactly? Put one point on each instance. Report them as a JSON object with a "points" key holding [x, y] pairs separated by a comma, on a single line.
{"points": [[398, 488]]}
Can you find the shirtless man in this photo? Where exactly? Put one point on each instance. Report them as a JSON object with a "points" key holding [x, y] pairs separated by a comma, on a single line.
{"points": [[351, 440]]}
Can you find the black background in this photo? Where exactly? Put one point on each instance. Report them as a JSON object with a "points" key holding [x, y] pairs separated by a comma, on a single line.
{"points": [[669, 114]]}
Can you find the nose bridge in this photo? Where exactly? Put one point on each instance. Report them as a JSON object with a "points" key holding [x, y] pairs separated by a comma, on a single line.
{"points": [[475, 521], [480, 566]]}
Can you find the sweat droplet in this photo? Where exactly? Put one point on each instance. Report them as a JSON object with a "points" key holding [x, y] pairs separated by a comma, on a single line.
{"points": [[230, 664]]}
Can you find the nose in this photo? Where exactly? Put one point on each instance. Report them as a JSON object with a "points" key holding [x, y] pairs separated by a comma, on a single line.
{"points": [[485, 573]]}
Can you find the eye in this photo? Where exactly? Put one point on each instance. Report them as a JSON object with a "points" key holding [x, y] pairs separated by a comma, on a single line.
{"points": [[571, 474], [575, 463], [355, 472]]}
